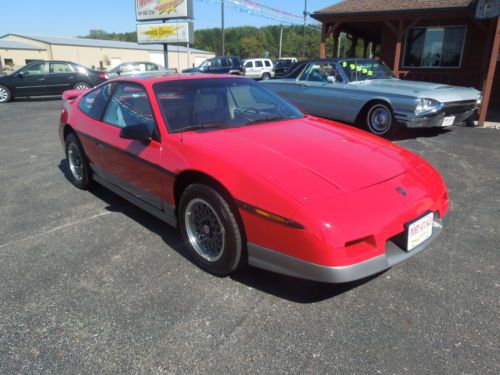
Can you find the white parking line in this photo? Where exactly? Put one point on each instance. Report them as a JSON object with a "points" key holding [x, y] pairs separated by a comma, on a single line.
{"points": [[55, 229]]}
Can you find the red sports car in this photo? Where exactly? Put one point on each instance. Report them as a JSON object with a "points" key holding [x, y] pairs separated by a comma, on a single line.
{"points": [[250, 179]]}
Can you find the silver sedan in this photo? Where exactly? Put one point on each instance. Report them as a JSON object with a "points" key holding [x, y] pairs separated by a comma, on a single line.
{"points": [[365, 91]]}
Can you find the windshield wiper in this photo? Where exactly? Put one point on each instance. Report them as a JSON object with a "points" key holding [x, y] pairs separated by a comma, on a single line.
{"points": [[265, 119], [211, 125]]}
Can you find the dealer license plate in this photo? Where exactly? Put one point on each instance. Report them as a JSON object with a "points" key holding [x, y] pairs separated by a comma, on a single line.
{"points": [[419, 231], [448, 121]]}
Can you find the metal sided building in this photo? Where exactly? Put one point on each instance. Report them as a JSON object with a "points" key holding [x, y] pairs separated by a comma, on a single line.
{"points": [[16, 50]]}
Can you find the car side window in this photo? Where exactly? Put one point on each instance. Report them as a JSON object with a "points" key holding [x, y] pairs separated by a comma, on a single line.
{"points": [[267, 63], [55, 68], [320, 71], [258, 64], [34, 70], [94, 103], [128, 106], [151, 67], [249, 64]]}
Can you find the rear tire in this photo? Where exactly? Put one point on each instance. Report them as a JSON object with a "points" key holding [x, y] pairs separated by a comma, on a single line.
{"points": [[380, 120], [5, 94], [81, 86], [266, 76], [210, 230], [79, 172]]}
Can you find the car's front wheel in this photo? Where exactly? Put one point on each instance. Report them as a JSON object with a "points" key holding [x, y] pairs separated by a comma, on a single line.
{"points": [[5, 94], [380, 120], [210, 229], [79, 169]]}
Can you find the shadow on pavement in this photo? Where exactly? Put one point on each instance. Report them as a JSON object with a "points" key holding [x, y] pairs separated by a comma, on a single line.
{"points": [[289, 288], [412, 133]]}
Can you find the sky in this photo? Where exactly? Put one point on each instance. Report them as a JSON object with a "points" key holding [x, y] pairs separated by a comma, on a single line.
{"points": [[74, 18]]}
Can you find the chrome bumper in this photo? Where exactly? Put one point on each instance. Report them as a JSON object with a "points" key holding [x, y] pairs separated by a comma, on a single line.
{"points": [[275, 261], [435, 121]]}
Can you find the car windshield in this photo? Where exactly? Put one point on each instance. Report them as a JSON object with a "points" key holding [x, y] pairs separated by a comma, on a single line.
{"points": [[362, 70], [220, 103]]}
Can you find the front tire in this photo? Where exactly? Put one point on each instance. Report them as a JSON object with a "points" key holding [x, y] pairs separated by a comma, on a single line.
{"points": [[380, 120], [210, 229], [79, 170], [5, 94]]}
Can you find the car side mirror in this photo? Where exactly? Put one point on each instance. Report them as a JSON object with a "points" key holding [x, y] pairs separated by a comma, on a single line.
{"points": [[20, 75], [330, 79], [140, 132], [119, 72]]}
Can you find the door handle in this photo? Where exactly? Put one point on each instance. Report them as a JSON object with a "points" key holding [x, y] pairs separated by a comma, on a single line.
{"points": [[100, 145], [41, 79]]}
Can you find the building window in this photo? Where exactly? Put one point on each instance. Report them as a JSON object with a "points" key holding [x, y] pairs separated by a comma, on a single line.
{"points": [[8, 62], [434, 47]]}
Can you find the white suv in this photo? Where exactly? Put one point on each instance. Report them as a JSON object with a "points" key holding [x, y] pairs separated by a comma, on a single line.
{"points": [[259, 68]]}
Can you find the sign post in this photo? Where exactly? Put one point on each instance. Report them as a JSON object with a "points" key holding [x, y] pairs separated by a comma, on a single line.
{"points": [[179, 31]]}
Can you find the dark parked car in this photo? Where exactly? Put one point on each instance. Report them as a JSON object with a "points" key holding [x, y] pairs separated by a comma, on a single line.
{"points": [[219, 65], [48, 78], [281, 67]]}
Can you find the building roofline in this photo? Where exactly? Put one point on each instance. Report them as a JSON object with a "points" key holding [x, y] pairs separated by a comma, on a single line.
{"points": [[172, 48], [316, 15]]}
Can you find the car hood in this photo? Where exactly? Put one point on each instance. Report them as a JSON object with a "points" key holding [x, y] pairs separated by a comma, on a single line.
{"points": [[304, 155], [437, 91]]}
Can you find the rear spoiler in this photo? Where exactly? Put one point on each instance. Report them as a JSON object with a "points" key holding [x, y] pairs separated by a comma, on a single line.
{"points": [[72, 94]]}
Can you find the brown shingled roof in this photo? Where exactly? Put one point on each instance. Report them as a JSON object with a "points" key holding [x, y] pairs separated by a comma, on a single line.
{"points": [[365, 6]]}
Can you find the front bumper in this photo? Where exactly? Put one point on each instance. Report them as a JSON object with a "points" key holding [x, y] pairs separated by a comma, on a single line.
{"points": [[461, 111], [278, 262]]}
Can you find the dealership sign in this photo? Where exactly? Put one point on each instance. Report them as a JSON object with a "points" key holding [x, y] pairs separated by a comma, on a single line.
{"points": [[148, 10], [155, 33]]}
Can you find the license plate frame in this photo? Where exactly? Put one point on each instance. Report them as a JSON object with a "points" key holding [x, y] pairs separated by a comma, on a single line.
{"points": [[418, 231], [448, 121]]}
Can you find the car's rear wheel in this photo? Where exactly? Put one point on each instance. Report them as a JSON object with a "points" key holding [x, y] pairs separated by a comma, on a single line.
{"points": [[266, 76], [5, 94], [81, 86], [79, 169], [210, 229], [380, 119]]}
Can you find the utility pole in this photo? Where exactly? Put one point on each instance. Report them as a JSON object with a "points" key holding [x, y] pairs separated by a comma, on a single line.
{"points": [[305, 24], [165, 53], [281, 40], [223, 36]]}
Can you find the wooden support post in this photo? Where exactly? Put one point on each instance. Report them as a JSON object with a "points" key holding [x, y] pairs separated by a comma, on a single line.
{"points": [[490, 75], [322, 50], [397, 56], [336, 42]]}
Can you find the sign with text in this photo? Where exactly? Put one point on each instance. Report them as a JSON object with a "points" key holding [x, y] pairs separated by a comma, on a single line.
{"points": [[148, 10], [172, 32]]}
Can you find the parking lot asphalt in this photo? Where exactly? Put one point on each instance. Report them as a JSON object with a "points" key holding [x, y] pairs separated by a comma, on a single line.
{"points": [[91, 284]]}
